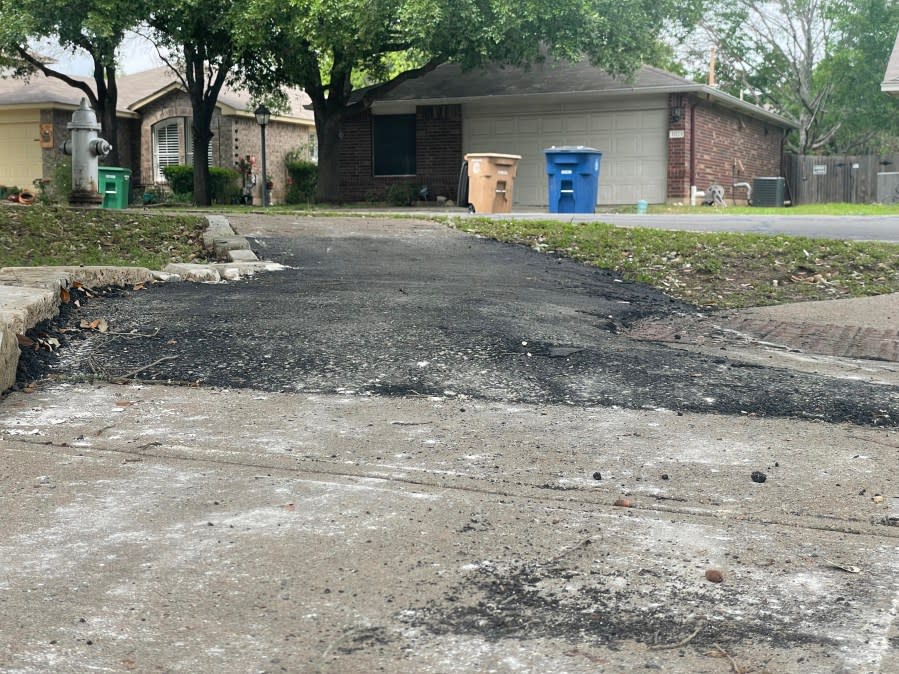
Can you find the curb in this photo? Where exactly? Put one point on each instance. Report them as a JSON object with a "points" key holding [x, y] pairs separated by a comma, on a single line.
{"points": [[29, 295]]}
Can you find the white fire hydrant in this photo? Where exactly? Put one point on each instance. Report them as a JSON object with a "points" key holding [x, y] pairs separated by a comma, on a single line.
{"points": [[85, 148]]}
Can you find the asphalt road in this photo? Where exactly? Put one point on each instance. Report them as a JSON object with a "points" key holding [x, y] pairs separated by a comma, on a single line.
{"points": [[400, 308]]}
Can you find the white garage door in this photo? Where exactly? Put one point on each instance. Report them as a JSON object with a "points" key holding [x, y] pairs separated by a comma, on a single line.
{"points": [[20, 151], [631, 137]]}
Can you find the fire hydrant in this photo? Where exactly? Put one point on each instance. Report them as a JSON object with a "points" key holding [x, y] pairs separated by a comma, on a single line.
{"points": [[85, 148]]}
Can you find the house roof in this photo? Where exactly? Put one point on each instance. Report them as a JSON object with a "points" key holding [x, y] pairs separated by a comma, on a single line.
{"points": [[448, 83], [890, 84], [135, 91]]}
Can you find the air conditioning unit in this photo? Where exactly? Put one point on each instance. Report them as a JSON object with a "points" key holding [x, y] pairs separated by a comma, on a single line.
{"points": [[768, 191]]}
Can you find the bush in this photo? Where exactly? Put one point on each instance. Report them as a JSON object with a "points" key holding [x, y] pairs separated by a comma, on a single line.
{"points": [[223, 187], [302, 177], [402, 194], [180, 178]]}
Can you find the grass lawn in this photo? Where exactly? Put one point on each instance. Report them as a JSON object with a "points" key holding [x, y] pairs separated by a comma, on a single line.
{"points": [[726, 270], [806, 209], [45, 235]]}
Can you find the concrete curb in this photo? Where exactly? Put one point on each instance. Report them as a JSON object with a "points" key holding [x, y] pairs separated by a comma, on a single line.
{"points": [[29, 295]]}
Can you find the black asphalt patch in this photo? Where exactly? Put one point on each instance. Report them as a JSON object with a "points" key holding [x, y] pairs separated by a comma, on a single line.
{"points": [[442, 316]]}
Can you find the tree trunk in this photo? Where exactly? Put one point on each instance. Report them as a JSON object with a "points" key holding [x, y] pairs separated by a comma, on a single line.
{"points": [[110, 132], [202, 135], [329, 130]]}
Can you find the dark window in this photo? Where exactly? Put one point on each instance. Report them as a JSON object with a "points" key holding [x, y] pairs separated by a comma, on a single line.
{"points": [[394, 145]]}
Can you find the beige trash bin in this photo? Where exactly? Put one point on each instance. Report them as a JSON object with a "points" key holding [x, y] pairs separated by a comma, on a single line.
{"points": [[491, 178]]}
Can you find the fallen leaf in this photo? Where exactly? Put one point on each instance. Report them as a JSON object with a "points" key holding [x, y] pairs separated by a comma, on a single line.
{"points": [[289, 507], [124, 403], [24, 341], [139, 286], [624, 503], [64, 296], [877, 498]]}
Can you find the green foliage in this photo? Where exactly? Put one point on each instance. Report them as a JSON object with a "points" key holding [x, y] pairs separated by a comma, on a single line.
{"points": [[180, 178], [301, 181], [223, 182], [402, 194], [724, 270], [223, 185], [45, 235]]}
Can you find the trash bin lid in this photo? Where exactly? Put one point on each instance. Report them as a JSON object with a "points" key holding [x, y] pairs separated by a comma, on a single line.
{"points": [[572, 148], [476, 155]]}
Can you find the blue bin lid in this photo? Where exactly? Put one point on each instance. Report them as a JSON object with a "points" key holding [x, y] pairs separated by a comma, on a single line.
{"points": [[572, 149]]}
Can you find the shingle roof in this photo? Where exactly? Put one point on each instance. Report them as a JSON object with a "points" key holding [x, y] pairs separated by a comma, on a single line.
{"points": [[132, 89], [890, 82], [449, 83]]}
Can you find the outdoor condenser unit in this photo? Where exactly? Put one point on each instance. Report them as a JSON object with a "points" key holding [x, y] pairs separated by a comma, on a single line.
{"points": [[768, 191]]}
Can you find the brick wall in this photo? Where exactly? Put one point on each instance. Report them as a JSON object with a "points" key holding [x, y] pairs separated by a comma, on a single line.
{"points": [[729, 147], [234, 136], [438, 155]]}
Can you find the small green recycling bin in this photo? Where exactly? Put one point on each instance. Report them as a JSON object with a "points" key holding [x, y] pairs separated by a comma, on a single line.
{"points": [[115, 186]]}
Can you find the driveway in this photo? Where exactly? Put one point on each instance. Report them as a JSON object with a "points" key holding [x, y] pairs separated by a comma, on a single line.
{"points": [[421, 452]]}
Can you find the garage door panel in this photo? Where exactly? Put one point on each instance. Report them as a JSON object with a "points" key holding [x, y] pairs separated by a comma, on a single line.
{"points": [[21, 161], [633, 143]]}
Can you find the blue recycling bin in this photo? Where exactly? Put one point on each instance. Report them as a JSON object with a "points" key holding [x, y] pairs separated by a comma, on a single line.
{"points": [[573, 173]]}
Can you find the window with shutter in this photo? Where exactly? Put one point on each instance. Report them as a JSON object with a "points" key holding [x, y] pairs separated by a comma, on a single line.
{"points": [[166, 151]]}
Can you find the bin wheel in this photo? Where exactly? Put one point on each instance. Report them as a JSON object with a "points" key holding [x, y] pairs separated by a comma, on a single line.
{"points": [[471, 208]]}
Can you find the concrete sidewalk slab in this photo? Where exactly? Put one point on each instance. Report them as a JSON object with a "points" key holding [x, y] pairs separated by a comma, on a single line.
{"points": [[181, 529]]}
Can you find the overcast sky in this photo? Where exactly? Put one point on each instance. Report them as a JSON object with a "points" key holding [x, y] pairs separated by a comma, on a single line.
{"points": [[136, 54]]}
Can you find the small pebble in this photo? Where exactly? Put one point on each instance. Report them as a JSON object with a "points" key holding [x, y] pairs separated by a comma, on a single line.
{"points": [[624, 503], [664, 476], [758, 476], [714, 576], [597, 475]]}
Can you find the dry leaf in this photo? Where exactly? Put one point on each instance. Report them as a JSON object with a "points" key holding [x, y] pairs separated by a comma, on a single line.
{"points": [[77, 285], [24, 341], [103, 326], [290, 507], [139, 286], [64, 296], [124, 403]]}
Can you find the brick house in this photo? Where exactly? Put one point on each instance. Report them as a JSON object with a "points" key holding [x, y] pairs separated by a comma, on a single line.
{"points": [[154, 129], [660, 134]]}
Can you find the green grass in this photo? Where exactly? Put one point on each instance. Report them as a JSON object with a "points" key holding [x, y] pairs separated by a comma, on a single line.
{"points": [[45, 235], [726, 270]]}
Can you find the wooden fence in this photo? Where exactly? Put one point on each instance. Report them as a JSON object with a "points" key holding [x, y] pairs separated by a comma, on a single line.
{"points": [[852, 179]]}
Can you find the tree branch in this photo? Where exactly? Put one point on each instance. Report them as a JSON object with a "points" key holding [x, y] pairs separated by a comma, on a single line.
{"points": [[380, 89], [50, 72]]}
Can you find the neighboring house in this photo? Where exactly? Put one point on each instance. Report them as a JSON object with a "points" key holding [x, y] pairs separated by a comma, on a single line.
{"points": [[659, 133], [154, 129], [890, 84]]}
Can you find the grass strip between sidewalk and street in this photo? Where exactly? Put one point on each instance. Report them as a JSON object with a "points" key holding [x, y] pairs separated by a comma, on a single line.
{"points": [[721, 270], [44, 235]]}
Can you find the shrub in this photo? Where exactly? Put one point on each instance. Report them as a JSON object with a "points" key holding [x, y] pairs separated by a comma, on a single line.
{"points": [[223, 187], [180, 178], [402, 194], [302, 177]]}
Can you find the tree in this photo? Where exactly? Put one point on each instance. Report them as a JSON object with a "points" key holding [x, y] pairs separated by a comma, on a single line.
{"points": [[868, 119], [201, 36], [95, 26], [323, 45], [771, 50]]}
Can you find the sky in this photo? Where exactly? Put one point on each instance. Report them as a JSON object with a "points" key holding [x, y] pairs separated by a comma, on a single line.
{"points": [[136, 54]]}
